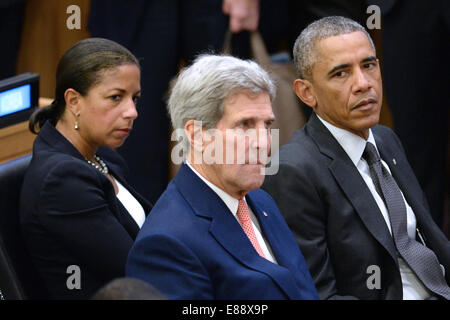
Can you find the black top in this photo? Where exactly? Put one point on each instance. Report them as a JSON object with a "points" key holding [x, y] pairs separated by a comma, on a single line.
{"points": [[70, 216]]}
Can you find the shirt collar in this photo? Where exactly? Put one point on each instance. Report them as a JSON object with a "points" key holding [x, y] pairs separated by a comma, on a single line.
{"points": [[352, 144], [230, 202]]}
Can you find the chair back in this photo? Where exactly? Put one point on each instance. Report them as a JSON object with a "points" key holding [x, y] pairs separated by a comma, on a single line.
{"points": [[18, 278]]}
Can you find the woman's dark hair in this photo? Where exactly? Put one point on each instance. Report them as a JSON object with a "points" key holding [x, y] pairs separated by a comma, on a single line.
{"points": [[80, 68]]}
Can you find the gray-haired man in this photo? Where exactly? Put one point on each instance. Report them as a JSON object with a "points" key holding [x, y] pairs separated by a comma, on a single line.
{"points": [[344, 184], [214, 234]]}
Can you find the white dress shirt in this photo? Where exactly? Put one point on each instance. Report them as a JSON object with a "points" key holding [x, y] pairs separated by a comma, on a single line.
{"points": [[232, 204], [130, 203], [354, 145]]}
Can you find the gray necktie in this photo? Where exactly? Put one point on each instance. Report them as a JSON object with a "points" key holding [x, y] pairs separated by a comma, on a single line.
{"points": [[420, 259]]}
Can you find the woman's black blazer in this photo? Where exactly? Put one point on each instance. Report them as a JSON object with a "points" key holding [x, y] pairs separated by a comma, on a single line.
{"points": [[76, 230]]}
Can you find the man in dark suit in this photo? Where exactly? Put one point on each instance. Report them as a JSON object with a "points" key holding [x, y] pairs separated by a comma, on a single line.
{"points": [[344, 184], [214, 234]]}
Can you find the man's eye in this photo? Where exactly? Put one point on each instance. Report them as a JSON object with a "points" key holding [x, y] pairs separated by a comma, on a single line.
{"points": [[243, 124], [369, 65], [136, 99], [340, 74]]}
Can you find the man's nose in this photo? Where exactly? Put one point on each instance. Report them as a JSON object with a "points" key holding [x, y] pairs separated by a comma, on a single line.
{"points": [[361, 82], [261, 140]]}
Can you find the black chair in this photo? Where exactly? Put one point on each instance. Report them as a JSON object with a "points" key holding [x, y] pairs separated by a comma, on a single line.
{"points": [[18, 279]]}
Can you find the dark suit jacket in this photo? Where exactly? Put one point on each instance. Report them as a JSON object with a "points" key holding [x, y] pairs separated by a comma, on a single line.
{"points": [[335, 218], [70, 215], [192, 247]]}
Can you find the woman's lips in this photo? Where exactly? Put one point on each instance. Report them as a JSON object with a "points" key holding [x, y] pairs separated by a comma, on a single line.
{"points": [[124, 131]]}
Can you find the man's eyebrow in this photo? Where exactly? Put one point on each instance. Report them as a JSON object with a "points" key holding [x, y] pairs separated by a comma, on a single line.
{"points": [[341, 66], [346, 65], [368, 59], [271, 118]]}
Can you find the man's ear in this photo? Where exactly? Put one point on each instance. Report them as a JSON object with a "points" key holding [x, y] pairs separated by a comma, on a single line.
{"points": [[304, 90], [194, 131], [73, 99]]}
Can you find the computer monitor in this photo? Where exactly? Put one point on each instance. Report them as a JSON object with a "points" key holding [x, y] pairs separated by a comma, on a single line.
{"points": [[19, 96]]}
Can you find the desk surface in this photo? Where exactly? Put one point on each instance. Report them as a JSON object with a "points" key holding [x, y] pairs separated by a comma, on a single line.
{"points": [[17, 140]]}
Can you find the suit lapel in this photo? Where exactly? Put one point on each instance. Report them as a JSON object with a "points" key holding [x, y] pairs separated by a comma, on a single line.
{"points": [[362, 200], [282, 273], [55, 141], [353, 185], [227, 231], [116, 205], [117, 208], [116, 172]]}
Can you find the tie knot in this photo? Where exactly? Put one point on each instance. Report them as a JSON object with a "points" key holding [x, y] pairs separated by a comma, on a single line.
{"points": [[242, 211], [370, 154]]}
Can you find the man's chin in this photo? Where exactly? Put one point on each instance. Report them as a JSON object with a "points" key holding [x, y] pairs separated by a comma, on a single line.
{"points": [[369, 121], [254, 182]]}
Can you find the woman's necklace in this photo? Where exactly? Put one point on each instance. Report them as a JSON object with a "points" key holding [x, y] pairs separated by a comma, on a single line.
{"points": [[102, 167]]}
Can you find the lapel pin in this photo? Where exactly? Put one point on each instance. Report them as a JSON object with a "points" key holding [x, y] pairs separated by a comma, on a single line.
{"points": [[265, 214], [394, 161]]}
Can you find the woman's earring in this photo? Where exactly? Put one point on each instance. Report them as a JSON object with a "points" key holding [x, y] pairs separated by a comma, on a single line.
{"points": [[76, 123]]}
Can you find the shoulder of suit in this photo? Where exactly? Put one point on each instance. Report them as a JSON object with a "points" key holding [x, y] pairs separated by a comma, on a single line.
{"points": [[264, 202], [299, 140], [53, 158], [259, 195], [301, 148], [387, 135], [58, 165], [171, 200], [382, 130]]}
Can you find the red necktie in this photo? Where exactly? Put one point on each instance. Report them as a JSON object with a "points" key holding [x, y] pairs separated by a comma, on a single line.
{"points": [[246, 223]]}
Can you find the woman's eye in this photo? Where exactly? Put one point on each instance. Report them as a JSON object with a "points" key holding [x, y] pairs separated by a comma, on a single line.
{"points": [[115, 98], [136, 99]]}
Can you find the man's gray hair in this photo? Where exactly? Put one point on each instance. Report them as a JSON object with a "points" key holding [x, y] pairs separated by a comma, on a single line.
{"points": [[304, 47], [200, 89]]}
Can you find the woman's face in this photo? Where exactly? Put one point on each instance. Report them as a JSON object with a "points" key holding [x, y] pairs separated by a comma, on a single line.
{"points": [[107, 111]]}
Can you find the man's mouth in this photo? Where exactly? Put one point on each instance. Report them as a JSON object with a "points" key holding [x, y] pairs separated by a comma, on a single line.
{"points": [[365, 104]]}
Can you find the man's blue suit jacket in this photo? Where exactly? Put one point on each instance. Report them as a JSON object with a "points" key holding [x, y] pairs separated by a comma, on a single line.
{"points": [[192, 247]]}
